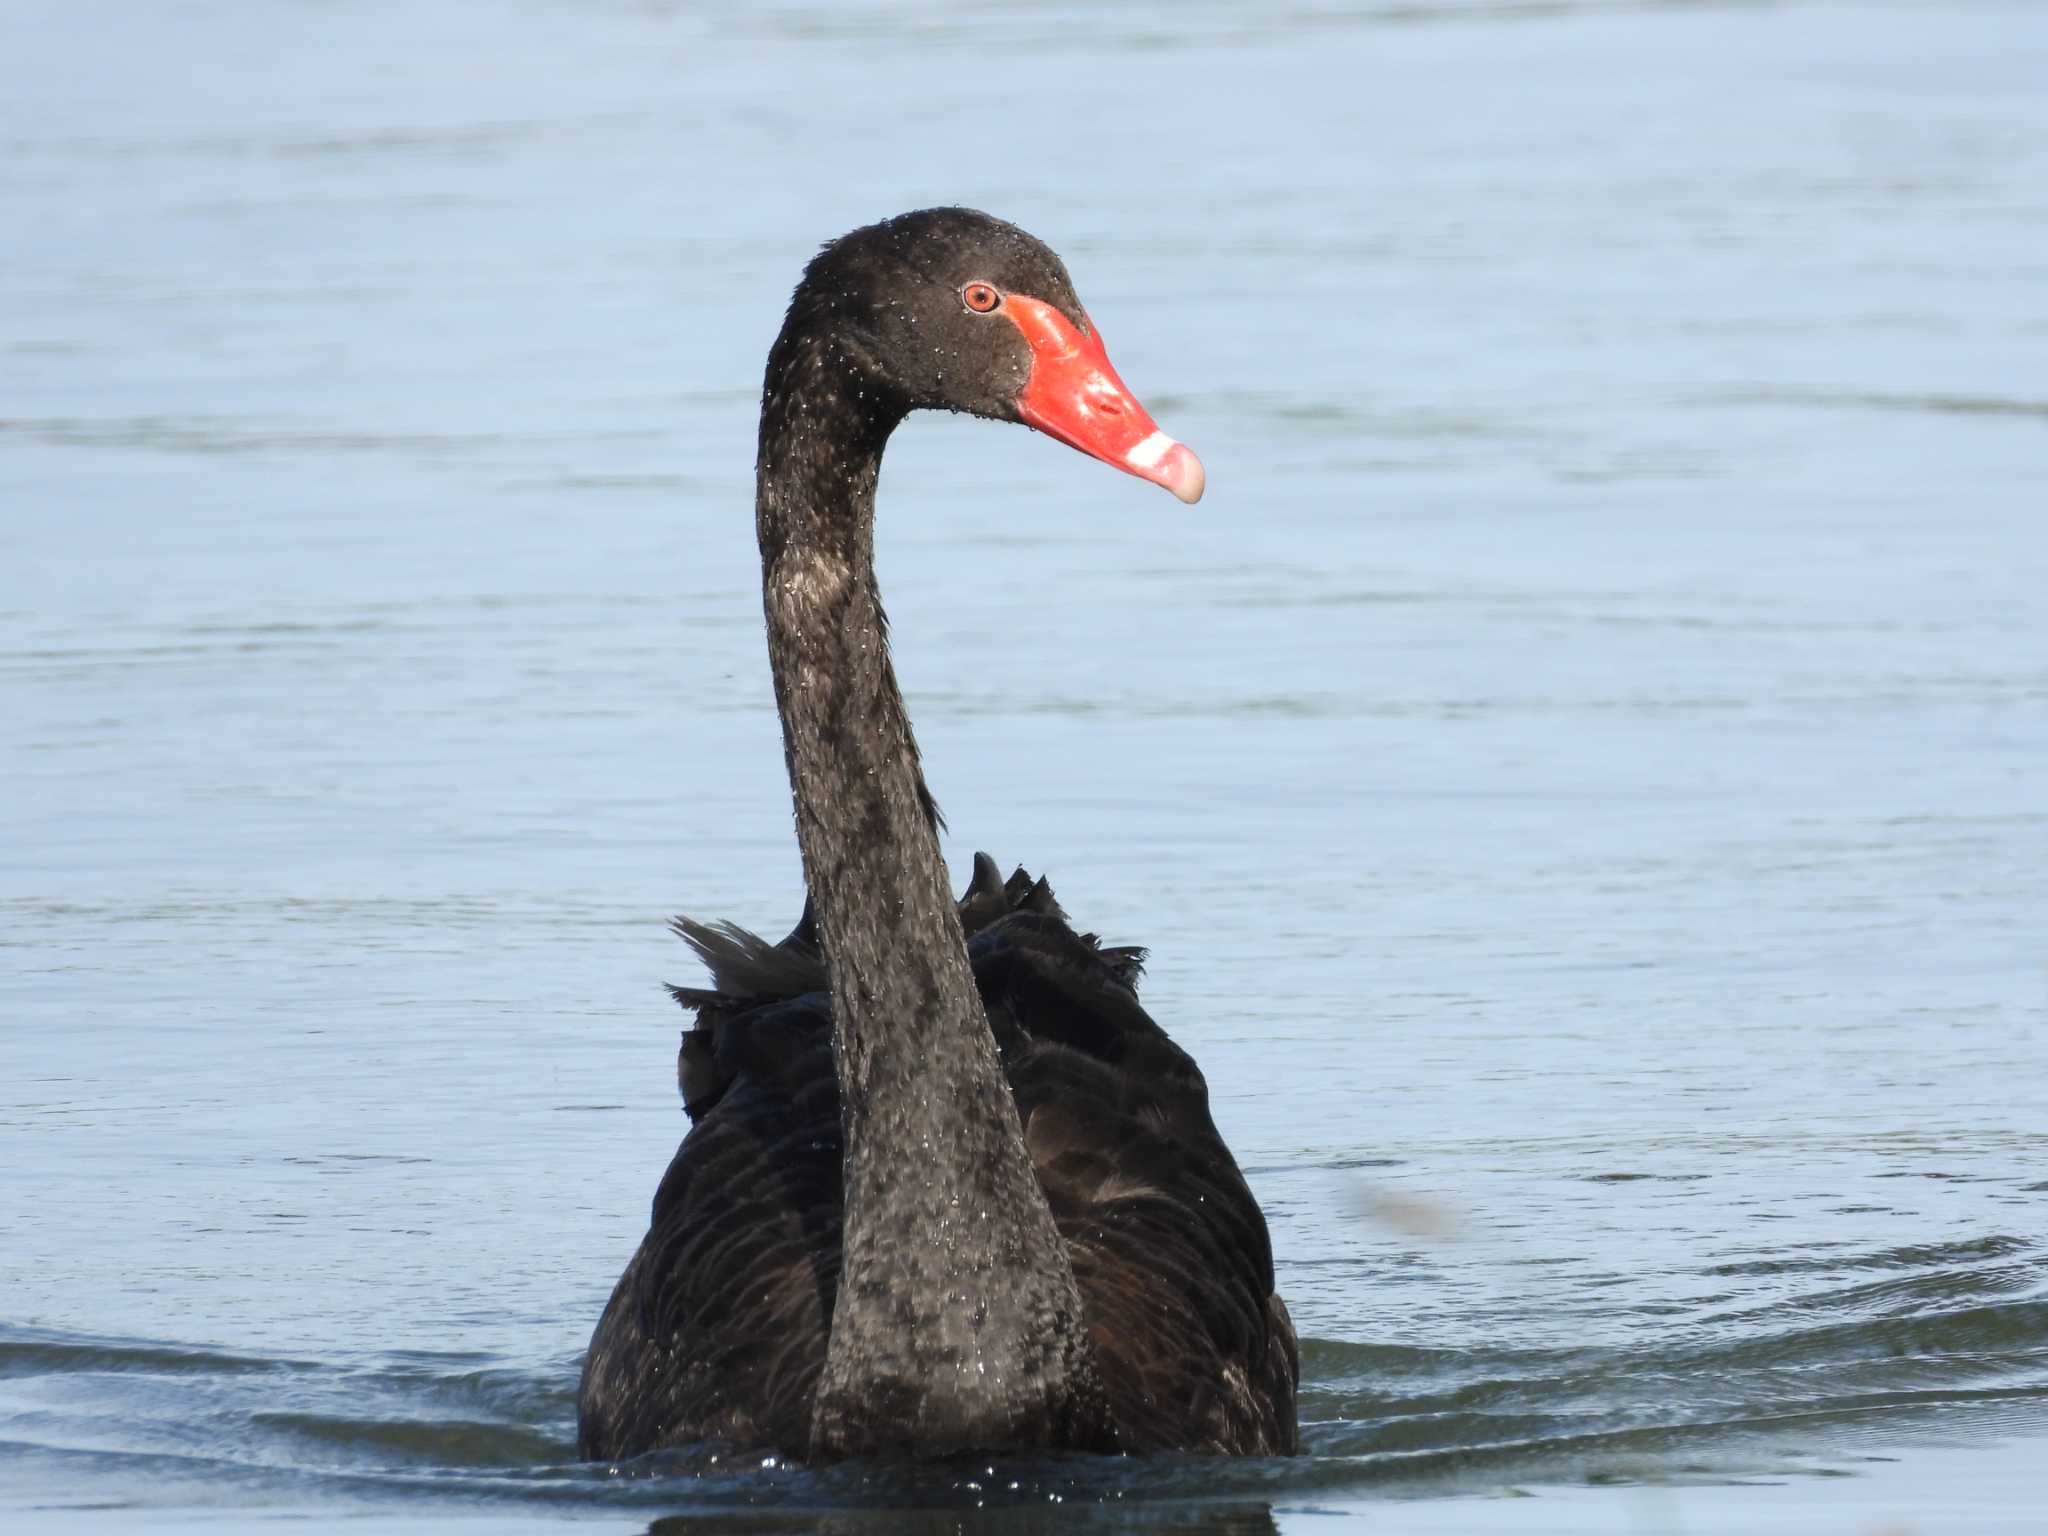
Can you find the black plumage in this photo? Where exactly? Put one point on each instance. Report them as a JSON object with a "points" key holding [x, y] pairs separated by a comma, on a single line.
{"points": [[717, 1330], [948, 1186]]}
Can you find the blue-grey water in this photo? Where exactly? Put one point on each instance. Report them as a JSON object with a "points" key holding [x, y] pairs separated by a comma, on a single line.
{"points": [[1582, 773]]}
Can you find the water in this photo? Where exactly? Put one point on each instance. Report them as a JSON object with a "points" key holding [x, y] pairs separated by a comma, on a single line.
{"points": [[1580, 773]]}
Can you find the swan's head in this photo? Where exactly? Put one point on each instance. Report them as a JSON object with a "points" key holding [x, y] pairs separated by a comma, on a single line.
{"points": [[955, 310]]}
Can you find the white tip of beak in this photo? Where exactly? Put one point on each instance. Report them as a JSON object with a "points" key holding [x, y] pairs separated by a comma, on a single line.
{"points": [[1171, 464], [1181, 473]]}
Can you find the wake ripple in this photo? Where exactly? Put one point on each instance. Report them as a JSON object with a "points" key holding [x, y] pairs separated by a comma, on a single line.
{"points": [[1884, 1344]]}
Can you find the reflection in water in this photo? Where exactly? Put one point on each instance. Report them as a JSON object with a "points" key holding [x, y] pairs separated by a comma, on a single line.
{"points": [[1023, 1520]]}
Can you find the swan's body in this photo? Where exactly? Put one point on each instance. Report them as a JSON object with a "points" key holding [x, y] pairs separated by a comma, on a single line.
{"points": [[947, 1187]]}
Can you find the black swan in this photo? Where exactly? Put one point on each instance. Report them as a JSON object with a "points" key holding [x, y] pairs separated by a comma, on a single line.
{"points": [[947, 1187]]}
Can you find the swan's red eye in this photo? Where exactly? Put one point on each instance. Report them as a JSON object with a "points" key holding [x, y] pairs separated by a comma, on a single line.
{"points": [[980, 298]]}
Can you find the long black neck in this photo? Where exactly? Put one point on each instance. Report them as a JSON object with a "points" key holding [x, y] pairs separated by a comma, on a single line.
{"points": [[958, 1324]]}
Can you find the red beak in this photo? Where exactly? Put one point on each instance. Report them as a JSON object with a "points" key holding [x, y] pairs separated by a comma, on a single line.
{"points": [[1074, 395]]}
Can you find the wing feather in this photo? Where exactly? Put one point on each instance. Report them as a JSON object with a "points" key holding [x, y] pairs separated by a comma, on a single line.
{"points": [[717, 1329]]}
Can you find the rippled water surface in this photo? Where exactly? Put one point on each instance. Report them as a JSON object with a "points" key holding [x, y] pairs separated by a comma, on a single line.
{"points": [[1582, 773]]}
